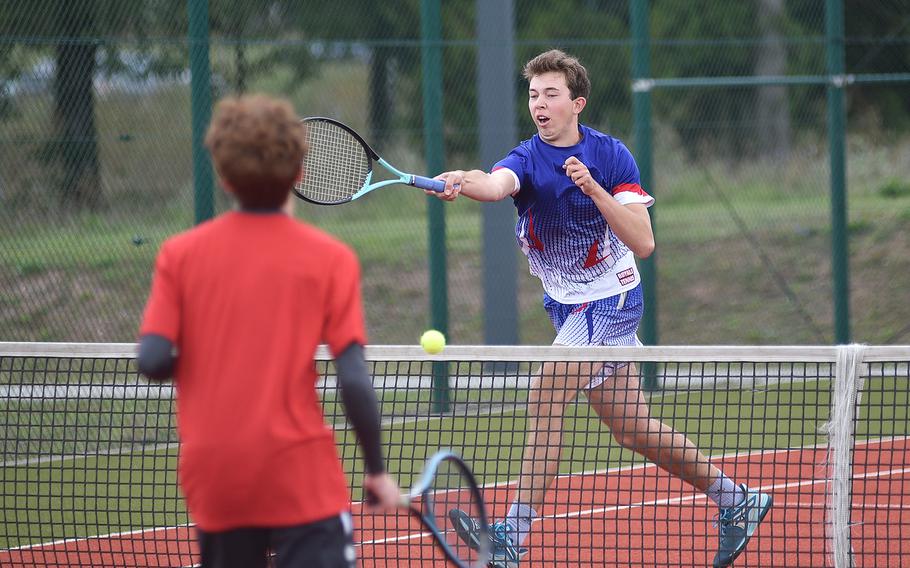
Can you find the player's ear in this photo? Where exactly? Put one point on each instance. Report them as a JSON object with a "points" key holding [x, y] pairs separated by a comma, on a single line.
{"points": [[225, 186], [578, 104], [288, 206], [300, 174]]}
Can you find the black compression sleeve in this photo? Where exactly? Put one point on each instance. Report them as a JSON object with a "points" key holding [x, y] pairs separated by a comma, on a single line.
{"points": [[156, 357], [360, 405]]}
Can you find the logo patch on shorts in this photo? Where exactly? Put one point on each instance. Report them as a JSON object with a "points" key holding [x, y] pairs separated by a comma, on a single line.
{"points": [[626, 276]]}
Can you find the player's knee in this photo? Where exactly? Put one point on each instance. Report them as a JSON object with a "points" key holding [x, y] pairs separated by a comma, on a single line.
{"points": [[550, 396], [631, 439], [545, 408]]}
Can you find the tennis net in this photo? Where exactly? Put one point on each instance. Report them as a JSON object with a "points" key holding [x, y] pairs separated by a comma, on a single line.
{"points": [[90, 451]]}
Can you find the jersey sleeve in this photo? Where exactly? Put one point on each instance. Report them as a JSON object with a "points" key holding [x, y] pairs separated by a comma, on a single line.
{"points": [[344, 321], [162, 310], [627, 179], [515, 162]]}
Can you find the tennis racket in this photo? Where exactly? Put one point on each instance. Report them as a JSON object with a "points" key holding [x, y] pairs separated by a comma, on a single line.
{"points": [[444, 498], [339, 166]]}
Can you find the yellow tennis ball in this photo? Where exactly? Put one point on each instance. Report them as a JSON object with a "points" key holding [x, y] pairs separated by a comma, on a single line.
{"points": [[432, 341]]}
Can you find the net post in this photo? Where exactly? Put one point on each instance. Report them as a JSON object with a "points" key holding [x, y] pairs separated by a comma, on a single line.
{"points": [[431, 63], [848, 383], [641, 109], [641, 106], [649, 376], [840, 252], [201, 108], [441, 394]]}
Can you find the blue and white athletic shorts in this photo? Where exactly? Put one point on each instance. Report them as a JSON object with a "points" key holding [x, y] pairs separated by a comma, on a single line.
{"points": [[609, 321]]}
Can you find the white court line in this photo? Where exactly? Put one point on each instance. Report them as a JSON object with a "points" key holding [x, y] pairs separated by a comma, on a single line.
{"points": [[675, 500], [869, 507], [614, 470], [659, 502], [702, 496], [732, 455], [98, 537]]}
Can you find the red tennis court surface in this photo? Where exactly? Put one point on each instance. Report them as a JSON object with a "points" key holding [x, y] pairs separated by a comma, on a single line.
{"points": [[636, 516], [644, 517]]}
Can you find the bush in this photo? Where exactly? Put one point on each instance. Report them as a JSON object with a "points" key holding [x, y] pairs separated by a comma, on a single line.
{"points": [[895, 188]]}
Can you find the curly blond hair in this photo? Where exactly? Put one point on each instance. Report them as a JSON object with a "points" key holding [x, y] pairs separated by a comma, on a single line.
{"points": [[258, 145], [555, 60]]}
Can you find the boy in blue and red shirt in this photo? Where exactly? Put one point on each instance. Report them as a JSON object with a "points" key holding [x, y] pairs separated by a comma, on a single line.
{"points": [[582, 219]]}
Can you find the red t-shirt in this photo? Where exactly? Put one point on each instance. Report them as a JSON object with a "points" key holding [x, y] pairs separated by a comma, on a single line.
{"points": [[246, 298]]}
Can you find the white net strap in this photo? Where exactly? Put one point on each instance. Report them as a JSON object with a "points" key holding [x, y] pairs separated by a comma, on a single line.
{"points": [[847, 389]]}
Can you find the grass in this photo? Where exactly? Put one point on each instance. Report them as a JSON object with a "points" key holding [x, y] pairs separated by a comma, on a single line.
{"points": [[743, 249], [711, 269]]}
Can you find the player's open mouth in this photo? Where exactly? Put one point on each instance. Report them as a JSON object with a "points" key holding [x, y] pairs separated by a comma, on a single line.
{"points": [[541, 120]]}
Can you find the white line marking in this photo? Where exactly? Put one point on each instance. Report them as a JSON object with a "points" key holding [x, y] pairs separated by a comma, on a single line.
{"points": [[614, 470]]}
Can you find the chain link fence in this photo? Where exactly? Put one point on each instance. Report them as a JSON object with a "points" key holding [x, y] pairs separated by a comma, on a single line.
{"points": [[96, 157]]}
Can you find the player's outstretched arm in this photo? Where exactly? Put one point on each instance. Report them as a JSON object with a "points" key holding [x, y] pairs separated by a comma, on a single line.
{"points": [[476, 184]]}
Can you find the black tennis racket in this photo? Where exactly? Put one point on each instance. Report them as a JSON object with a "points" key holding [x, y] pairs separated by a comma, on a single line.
{"points": [[446, 496], [339, 166]]}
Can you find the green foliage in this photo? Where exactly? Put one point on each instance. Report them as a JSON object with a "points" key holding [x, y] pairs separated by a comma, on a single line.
{"points": [[895, 188], [360, 61]]}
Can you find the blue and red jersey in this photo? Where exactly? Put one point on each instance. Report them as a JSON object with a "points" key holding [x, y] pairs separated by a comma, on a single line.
{"points": [[569, 244]]}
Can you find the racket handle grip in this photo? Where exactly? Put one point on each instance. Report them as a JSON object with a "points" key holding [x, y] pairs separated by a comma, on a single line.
{"points": [[436, 185]]}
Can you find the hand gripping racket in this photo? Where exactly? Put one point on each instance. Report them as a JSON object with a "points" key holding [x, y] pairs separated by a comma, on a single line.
{"points": [[449, 505], [339, 166]]}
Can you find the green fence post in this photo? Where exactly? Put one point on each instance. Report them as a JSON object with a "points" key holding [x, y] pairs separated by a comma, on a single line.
{"points": [[641, 109], [200, 108], [431, 65], [840, 270]]}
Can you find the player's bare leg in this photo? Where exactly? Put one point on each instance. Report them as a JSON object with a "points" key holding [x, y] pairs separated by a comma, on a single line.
{"points": [[622, 407], [554, 387]]}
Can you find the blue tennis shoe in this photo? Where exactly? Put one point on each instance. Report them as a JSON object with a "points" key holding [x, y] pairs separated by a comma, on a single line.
{"points": [[737, 525], [503, 553]]}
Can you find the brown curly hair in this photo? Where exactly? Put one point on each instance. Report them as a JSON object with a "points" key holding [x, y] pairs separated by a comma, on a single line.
{"points": [[555, 60], [258, 145]]}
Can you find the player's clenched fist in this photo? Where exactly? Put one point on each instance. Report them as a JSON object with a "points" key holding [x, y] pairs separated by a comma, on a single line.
{"points": [[454, 182], [580, 176]]}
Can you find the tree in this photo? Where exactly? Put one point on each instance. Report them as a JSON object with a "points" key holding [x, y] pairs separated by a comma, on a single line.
{"points": [[385, 28], [237, 22], [879, 42], [72, 34], [74, 109], [772, 108], [72, 29]]}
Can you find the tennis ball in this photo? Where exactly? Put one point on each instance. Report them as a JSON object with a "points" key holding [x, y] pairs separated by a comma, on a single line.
{"points": [[432, 341]]}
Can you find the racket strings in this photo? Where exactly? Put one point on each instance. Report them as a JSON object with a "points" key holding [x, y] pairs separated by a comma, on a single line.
{"points": [[336, 166], [451, 495]]}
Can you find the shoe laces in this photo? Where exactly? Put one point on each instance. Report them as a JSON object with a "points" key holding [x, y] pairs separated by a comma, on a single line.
{"points": [[722, 519], [727, 518], [499, 532]]}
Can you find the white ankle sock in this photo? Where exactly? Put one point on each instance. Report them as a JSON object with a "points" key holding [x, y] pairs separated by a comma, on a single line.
{"points": [[519, 522], [725, 492]]}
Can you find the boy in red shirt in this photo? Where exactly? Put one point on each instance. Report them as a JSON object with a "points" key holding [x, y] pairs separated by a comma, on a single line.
{"points": [[237, 307]]}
